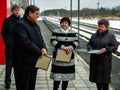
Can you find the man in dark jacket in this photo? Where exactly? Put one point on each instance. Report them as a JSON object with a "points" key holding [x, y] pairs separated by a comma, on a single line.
{"points": [[28, 47], [7, 34]]}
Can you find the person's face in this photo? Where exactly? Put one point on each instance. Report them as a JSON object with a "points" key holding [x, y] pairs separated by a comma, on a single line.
{"points": [[33, 16], [64, 25], [101, 28], [16, 12]]}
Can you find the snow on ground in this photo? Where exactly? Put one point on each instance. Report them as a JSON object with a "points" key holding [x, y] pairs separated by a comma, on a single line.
{"points": [[113, 23]]}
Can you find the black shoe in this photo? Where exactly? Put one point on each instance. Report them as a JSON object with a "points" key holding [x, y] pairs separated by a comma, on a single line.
{"points": [[7, 86]]}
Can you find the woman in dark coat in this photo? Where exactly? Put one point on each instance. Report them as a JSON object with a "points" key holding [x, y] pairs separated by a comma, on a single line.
{"points": [[101, 64]]}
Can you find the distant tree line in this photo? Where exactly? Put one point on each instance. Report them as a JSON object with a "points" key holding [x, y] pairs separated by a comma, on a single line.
{"points": [[85, 12]]}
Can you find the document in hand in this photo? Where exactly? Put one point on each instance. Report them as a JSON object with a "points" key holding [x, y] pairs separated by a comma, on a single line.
{"points": [[43, 63], [62, 56], [96, 51]]}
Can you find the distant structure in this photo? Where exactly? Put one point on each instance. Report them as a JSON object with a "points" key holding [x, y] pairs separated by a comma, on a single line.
{"points": [[98, 3], [23, 4]]}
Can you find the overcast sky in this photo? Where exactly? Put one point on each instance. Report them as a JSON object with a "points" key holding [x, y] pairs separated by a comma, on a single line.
{"points": [[57, 4]]}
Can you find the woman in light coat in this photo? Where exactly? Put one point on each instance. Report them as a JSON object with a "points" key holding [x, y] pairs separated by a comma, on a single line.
{"points": [[63, 38]]}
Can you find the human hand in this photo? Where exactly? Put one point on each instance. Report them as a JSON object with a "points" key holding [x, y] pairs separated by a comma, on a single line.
{"points": [[103, 49], [44, 51], [68, 49]]}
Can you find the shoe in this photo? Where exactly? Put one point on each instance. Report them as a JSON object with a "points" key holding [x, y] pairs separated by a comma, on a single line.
{"points": [[7, 86]]}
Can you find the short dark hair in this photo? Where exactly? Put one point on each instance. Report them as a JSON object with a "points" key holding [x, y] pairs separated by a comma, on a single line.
{"points": [[15, 6], [30, 8], [65, 19]]}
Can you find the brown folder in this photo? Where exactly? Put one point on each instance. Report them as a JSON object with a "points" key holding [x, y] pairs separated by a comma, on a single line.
{"points": [[62, 56], [43, 63]]}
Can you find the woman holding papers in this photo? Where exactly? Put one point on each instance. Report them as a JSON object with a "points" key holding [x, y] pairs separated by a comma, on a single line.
{"points": [[101, 64], [63, 38]]}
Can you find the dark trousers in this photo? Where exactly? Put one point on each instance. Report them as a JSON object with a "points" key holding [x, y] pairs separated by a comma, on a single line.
{"points": [[25, 79], [8, 70], [56, 85], [102, 86]]}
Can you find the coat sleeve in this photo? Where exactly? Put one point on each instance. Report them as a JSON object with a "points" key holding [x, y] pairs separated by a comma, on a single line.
{"points": [[75, 42], [21, 35], [113, 44], [4, 31], [53, 39]]}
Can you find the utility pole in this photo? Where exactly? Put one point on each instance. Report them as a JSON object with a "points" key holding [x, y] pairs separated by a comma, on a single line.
{"points": [[98, 3], [78, 24], [33, 2], [71, 12]]}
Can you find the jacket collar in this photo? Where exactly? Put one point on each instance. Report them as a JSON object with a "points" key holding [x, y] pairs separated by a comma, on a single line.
{"points": [[15, 16], [102, 33], [31, 23]]}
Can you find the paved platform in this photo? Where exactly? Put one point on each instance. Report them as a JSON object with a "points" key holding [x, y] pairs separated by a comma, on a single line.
{"points": [[43, 77]]}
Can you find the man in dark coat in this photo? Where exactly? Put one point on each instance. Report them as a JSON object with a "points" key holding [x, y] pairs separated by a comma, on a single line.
{"points": [[28, 47], [7, 34], [101, 64]]}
